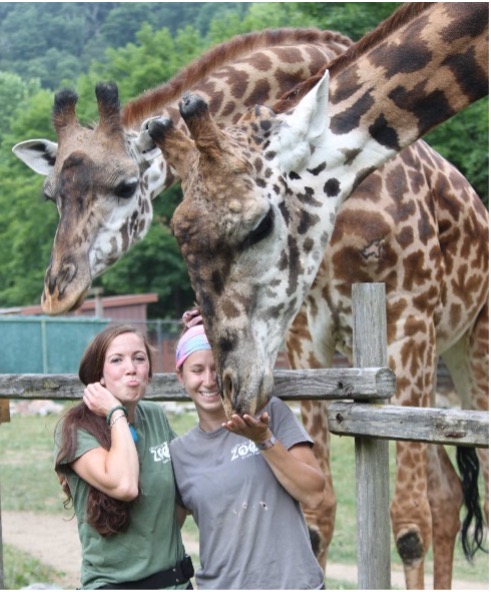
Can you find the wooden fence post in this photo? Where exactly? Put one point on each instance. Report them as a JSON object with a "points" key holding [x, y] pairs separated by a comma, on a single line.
{"points": [[372, 455]]}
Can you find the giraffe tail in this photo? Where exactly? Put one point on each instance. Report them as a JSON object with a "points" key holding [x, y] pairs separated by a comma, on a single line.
{"points": [[468, 465]]}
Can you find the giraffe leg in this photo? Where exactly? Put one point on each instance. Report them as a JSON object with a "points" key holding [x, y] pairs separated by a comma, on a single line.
{"points": [[410, 511], [445, 497], [468, 363], [321, 520], [479, 356], [413, 357]]}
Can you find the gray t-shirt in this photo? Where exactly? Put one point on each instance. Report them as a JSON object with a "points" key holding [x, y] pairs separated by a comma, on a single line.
{"points": [[252, 532]]}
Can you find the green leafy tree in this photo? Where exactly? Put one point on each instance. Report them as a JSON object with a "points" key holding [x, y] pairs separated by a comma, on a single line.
{"points": [[28, 223], [13, 91], [353, 19]]}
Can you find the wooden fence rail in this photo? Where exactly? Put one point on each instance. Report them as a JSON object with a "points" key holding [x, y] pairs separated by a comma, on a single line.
{"points": [[436, 426], [367, 418], [290, 385]]}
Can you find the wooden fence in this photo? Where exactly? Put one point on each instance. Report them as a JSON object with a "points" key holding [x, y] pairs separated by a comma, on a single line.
{"points": [[367, 418]]}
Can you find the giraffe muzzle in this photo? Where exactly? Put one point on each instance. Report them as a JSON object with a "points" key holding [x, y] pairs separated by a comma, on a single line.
{"points": [[245, 396]]}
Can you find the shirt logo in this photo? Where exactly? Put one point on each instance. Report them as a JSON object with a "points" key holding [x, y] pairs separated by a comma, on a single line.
{"points": [[244, 450], [161, 452]]}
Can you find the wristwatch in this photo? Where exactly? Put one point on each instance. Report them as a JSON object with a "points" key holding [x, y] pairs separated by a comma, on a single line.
{"points": [[269, 443]]}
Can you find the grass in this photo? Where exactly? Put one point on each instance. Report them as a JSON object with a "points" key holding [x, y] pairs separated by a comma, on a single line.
{"points": [[22, 569], [28, 483]]}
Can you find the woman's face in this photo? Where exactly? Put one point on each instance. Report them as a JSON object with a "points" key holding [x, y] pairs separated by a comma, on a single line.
{"points": [[198, 377], [126, 368]]}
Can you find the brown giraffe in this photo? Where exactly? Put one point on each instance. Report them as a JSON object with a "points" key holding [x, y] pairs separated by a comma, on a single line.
{"points": [[259, 209], [115, 170], [151, 106]]}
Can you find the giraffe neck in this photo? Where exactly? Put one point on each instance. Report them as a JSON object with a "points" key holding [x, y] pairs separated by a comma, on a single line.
{"points": [[398, 87], [416, 77], [223, 61]]}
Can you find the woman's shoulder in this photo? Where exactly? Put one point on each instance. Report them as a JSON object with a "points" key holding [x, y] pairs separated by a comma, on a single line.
{"points": [[151, 407], [153, 411], [276, 404], [285, 423]]}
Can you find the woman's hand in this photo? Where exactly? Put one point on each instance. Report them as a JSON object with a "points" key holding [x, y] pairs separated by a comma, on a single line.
{"points": [[98, 399], [256, 429]]}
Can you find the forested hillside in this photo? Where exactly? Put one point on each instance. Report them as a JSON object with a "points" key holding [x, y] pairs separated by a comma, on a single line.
{"points": [[45, 46], [52, 41]]}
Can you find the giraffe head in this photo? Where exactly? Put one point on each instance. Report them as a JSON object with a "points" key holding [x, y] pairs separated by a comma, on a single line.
{"points": [[242, 231], [102, 180]]}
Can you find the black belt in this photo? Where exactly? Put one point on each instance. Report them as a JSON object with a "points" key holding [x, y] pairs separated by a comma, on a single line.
{"points": [[181, 573]]}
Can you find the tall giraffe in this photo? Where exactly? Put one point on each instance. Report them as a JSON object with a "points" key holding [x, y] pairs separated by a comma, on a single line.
{"points": [[261, 200], [97, 148], [114, 169]]}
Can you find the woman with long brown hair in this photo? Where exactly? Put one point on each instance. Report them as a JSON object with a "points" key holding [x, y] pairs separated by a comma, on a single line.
{"points": [[113, 461]]}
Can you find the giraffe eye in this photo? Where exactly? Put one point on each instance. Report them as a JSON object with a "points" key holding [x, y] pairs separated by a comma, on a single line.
{"points": [[126, 189], [48, 191], [262, 230]]}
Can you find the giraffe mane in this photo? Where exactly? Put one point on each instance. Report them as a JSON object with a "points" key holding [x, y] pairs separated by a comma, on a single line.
{"points": [[398, 19], [155, 99], [407, 12]]}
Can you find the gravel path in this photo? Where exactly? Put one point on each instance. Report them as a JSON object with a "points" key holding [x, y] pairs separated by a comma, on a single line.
{"points": [[54, 541]]}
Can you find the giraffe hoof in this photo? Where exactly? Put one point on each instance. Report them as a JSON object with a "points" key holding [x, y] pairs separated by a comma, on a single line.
{"points": [[410, 547]]}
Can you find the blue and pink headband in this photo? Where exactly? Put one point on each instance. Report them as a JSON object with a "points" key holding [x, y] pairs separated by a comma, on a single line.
{"points": [[193, 340]]}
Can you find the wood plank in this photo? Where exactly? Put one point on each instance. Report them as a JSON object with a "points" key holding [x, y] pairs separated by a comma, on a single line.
{"points": [[391, 422], [329, 383], [4, 411], [372, 456]]}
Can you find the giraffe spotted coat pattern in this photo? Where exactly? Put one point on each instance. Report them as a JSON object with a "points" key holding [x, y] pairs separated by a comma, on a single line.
{"points": [[153, 175], [263, 197]]}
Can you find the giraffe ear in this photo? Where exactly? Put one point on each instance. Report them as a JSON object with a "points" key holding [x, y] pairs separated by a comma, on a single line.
{"points": [[38, 155], [303, 127]]}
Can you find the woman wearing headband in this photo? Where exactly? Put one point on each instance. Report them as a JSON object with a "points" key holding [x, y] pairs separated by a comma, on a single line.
{"points": [[243, 479]]}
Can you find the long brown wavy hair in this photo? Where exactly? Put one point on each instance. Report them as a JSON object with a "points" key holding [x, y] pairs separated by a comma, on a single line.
{"points": [[105, 514]]}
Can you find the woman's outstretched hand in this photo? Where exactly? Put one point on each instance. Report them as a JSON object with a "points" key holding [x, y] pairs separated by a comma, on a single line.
{"points": [[256, 429]]}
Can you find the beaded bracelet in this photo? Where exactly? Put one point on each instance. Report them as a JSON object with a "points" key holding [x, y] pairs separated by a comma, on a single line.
{"points": [[116, 419], [123, 409]]}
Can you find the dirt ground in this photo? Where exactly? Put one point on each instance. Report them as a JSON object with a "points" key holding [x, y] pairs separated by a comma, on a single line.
{"points": [[54, 541]]}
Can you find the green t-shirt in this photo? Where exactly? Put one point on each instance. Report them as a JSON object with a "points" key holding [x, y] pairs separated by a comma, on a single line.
{"points": [[152, 541]]}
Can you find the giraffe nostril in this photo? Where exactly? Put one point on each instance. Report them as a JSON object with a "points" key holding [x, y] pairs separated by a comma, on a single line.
{"points": [[68, 272], [228, 386]]}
